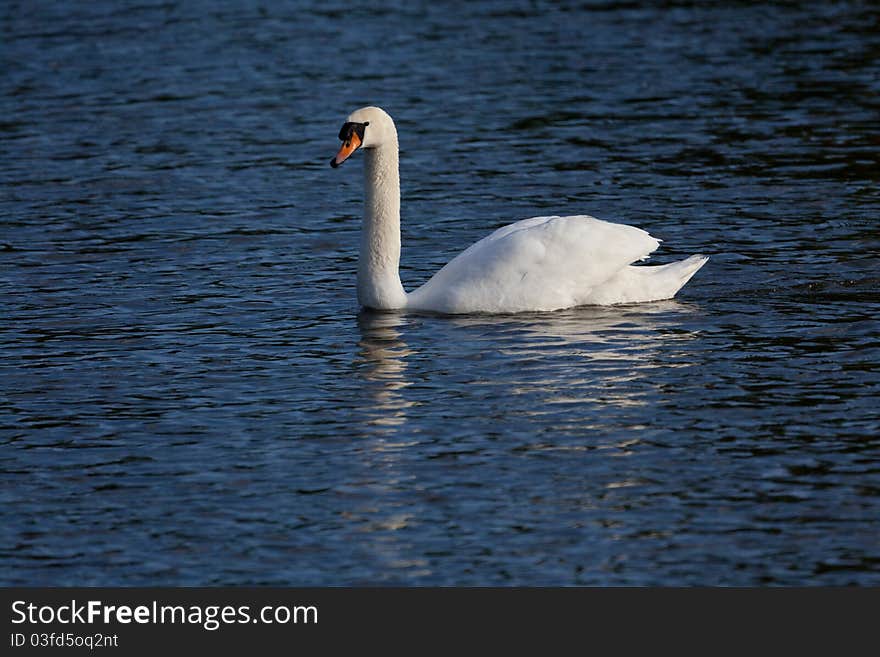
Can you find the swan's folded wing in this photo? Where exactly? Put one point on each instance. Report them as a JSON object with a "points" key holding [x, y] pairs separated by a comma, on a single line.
{"points": [[542, 263]]}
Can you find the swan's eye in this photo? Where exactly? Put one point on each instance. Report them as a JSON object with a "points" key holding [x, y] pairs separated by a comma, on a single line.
{"points": [[352, 138], [352, 129]]}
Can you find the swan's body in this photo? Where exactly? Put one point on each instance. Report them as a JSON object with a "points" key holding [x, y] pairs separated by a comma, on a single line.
{"points": [[542, 263]]}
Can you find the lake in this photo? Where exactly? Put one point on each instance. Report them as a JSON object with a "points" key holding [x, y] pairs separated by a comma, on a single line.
{"points": [[192, 396]]}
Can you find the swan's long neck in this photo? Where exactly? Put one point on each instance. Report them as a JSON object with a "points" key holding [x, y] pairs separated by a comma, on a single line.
{"points": [[378, 280]]}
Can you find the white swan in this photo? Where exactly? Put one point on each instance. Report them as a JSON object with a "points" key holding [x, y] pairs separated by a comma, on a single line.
{"points": [[537, 264]]}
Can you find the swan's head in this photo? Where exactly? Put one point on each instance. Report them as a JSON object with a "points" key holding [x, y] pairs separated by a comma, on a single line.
{"points": [[368, 127]]}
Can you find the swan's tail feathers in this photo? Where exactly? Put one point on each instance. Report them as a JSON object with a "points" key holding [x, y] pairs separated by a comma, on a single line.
{"points": [[636, 284], [679, 273]]}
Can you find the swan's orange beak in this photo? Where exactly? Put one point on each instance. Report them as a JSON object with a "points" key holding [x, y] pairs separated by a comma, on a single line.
{"points": [[348, 147]]}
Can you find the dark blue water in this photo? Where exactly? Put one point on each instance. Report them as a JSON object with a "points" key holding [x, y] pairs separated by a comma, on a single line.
{"points": [[190, 394]]}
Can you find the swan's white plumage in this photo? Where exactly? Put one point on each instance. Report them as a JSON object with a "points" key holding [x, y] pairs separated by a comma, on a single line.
{"points": [[542, 263], [537, 264]]}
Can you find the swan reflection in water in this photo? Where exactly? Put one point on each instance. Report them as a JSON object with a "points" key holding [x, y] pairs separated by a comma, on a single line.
{"points": [[381, 362], [597, 357], [572, 381]]}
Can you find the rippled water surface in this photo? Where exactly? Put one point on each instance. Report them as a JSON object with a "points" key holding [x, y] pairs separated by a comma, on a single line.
{"points": [[190, 394]]}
